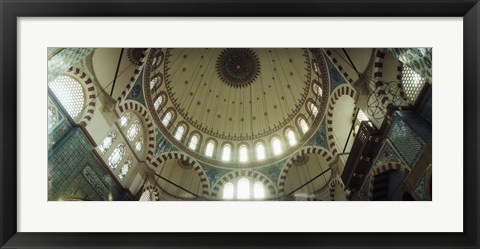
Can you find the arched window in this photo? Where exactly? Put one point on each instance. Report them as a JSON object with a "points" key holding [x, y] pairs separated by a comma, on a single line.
{"points": [[313, 109], [107, 142], [210, 148], [292, 140], [52, 117], [243, 154], [316, 69], [166, 119], [153, 82], [194, 142], [303, 125], [228, 191], [260, 149], [133, 130], [146, 196], [258, 190], [277, 146], [179, 133], [126, 166], [158, 102], [116, 156], [124, 119], [227, 150], [317, 90], [70, 94], [139, 144], [243, 188]]}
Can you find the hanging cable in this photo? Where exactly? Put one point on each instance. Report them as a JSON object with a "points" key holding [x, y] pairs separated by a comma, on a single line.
{"points": [[351, 62]]}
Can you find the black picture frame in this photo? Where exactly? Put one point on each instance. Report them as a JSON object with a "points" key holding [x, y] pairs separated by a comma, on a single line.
{"points": [[10, 10]]}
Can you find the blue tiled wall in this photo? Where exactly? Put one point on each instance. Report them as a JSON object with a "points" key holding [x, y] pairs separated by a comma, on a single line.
{"points": [[425, 107], [74, 171], [409, 134]]}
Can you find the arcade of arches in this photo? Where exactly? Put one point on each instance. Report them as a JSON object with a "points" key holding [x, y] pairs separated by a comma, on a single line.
{"points": [[257, 124]]}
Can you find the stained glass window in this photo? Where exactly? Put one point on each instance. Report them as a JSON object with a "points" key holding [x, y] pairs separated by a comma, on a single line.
{"points": [[133, 130], [139, 144], [107, 141], [124, 170], [116, 156], [124, 119]]}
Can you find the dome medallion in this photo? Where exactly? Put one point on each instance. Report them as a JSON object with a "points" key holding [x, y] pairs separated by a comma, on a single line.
{"points": [[238, 67]]}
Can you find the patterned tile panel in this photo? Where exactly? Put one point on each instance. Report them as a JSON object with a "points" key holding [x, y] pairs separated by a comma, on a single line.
{"points": [[425, 107], [320, 137], [336, 77], [214, 173], [362, 195], [421, 127], [386, 154], [75, 172], [136, 93], [163, 145], [273, 171], [405, 140]]}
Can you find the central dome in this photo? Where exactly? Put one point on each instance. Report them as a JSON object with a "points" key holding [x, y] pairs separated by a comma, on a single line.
{"points": [[238, 67], [223, 92], [231, 107]]}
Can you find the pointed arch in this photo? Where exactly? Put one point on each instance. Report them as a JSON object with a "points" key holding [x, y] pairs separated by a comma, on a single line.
{"points": [[383, 169], [341, 90], [194, 141]]}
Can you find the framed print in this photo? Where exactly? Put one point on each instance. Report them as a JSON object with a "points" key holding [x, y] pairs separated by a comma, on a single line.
{"points": [[239, 124]]}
